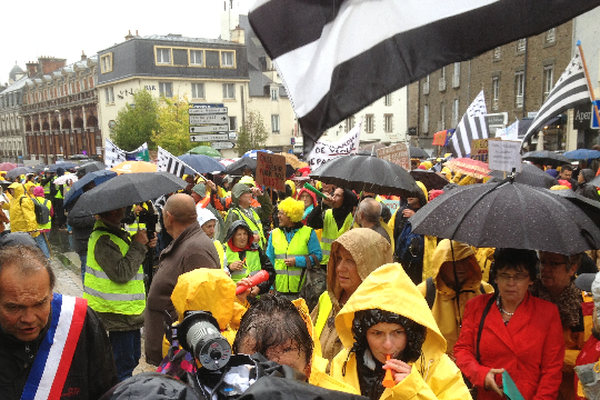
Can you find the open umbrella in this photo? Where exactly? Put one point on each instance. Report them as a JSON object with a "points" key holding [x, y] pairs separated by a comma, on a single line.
{"points": [[468, 166], [129, 167], [16, 172], [582, 154], [64, 165], [293, 160], [417, 152], [127, 189], [61, 180], [254, 153], [546, 157], [201, 163], [367, 173], [98, 177], [90, 167], [7, 166], [207, 151], [530, 175], [238, 167], [431, 179], [508, 214]]}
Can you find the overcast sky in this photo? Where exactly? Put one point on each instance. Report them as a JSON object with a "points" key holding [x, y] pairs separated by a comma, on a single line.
{"points": [[63, 29]]}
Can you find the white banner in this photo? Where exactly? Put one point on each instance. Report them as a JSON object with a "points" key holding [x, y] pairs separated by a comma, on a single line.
{"points": [[509, 133], [322, 151], [113, 155]]}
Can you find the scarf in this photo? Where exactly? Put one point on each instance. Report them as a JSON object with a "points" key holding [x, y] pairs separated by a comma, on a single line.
{"points": [[568, 303]]}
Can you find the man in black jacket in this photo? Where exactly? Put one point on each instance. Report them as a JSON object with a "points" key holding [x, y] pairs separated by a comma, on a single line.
{"points": [[51, 346]]}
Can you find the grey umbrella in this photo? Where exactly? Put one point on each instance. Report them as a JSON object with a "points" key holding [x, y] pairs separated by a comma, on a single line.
{"points": [[508, 214], [530, 175], [127, 189], [417, 152], [546, 157]]}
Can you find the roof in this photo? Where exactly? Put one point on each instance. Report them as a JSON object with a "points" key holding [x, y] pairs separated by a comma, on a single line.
{"points": [[16, 85]]}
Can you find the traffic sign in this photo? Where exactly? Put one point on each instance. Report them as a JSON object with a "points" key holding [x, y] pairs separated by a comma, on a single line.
{"points": [[208, 110], [205, 105], [209, 119], [209, 128], [222, 145], [208, 138]]}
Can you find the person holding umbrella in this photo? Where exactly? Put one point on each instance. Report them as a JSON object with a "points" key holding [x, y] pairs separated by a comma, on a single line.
{"points": [[114, 285]]}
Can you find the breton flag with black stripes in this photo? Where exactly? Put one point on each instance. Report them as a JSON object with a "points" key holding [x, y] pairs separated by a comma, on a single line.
{"points": [[336, 57], [169, 163], [569, 91], [472, 126]]}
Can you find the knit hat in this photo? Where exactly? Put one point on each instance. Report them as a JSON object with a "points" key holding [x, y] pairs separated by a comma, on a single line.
{"points": [[294, 209], [200, 189], [38, 191], [205, 215]]}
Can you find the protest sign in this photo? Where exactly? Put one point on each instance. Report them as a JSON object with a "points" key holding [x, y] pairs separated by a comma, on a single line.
{"points": [[397, 153], [270, 170], [393, 205], [322, 151], [479, 150], [504, 155]]}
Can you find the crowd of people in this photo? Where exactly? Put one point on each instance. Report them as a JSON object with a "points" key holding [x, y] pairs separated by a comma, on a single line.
{"points": [[319, 283]]}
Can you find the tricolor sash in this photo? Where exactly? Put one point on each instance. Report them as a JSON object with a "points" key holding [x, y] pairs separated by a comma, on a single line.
{"points": [[53, 360]]}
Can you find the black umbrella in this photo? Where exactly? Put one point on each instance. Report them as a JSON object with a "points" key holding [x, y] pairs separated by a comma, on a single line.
{"points": [[417, 152], [546, 157], [16, 172], [508, 214], [430, 179], [201, 163], [238, 167], [530, 175], [127, 189], [64, 165], [372, 174], [90, 166], [590, 207], [98, 177]]}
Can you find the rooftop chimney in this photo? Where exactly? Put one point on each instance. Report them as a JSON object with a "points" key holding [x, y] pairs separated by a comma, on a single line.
{"points": [[83, 56], [129, 36]]}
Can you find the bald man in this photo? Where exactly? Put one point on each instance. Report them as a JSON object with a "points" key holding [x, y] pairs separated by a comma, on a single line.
{"points": [[369, 216], [190, 249]]}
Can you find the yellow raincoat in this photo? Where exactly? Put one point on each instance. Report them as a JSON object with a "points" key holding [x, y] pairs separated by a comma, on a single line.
{"points": [[446, 312], [434, 375]]}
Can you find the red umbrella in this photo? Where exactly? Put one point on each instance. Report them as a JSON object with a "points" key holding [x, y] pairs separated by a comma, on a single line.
{"points": [[7, 166], [468, 166]]}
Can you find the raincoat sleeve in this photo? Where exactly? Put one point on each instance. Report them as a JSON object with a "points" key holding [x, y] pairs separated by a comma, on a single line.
{"points": [[552, 359], [314, 248], [119, 269]]}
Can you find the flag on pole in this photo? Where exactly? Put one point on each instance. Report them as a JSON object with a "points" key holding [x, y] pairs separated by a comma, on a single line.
{"points": [[113, 155], [472, 126], [169, 163], [570, 90], [337, 57], [139, 154]]}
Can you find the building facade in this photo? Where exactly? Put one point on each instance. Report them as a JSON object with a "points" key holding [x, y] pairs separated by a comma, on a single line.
{"points": [[12, 143], [60, 109]]}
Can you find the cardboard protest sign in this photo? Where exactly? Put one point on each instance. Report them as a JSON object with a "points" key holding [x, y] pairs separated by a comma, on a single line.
{"points": [[322, 151], [270, 170], [397, 153], [504, 155], [479, 150]]}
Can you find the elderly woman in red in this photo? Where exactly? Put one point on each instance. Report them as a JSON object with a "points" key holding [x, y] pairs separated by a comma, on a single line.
{"points": [[512, 331]]}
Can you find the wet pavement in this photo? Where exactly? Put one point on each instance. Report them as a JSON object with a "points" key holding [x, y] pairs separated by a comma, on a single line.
{"points": [[67, 268]]}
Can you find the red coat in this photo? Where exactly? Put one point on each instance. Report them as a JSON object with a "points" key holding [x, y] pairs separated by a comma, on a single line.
{"points": [[530, 347]]}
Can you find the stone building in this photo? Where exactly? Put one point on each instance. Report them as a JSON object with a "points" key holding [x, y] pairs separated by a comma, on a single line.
{"points": [[12, 148]]}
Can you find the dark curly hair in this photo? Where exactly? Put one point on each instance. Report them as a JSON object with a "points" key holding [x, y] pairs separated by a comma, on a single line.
{"points": [[365, 319]]}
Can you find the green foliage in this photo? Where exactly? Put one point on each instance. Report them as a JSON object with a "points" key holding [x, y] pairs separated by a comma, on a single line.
{"points": [[253, 134], [134, 125], [173, 132]]}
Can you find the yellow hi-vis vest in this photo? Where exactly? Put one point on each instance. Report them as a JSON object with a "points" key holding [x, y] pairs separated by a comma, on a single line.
{"points": [[287, 279], [47, 187], [325, 307], [255, 225], [136, 224], [220, 252], [59, 194], [104, 295], [331, 232], [46, 203], [252, 263]]}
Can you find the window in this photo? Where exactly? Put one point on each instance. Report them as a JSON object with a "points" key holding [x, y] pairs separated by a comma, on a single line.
{"points": [[551, 35], [229, 91], [456, 76], [442, 81], [349, 124], [109, 93], [521, 45], [442, 121], [196, 57], [426, 85], [275, 123], [106, 63], [232, 123], [212, 59], [495, 92], [198, 90], [163, 55], [227, 59], [497, 53], [426, 118], [369, 125], [388, 100], [180, 57], [455, 110], [274, 94], [519, 88], [548, 80], [388, 122], [165, 89]]}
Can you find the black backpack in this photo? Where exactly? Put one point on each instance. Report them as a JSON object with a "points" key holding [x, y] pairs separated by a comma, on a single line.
{"points": [[42, 211]]}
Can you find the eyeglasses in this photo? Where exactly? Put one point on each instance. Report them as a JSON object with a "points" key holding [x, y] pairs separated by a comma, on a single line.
{"points": [[517, 278]]}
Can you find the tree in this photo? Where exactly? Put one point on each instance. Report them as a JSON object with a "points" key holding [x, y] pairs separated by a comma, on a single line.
{"points": [[173, 132], [253, 134], [135, 123]]}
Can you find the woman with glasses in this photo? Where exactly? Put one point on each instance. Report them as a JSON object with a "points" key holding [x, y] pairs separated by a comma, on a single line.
{"points": [[512, 332]]}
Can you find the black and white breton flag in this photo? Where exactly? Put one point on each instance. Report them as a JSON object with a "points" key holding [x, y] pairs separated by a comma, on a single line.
{"points": [[569, 91], [169, 163], [471, 126], [336, 57]]}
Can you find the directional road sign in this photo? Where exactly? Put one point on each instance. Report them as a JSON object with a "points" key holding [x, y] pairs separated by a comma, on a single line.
{"points": [[209, 119], [208, 110], [209, 128], [221, 145], [208, 138]]}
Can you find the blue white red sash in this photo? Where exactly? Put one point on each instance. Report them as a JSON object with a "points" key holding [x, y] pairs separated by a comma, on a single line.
{"points": [[53, 360]]}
